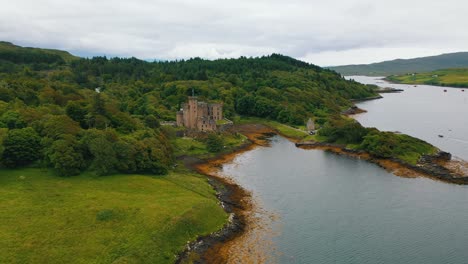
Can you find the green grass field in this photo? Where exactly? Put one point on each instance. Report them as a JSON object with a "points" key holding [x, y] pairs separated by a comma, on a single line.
{"points": [[197, 148], [110, 219], [285, 130], [447, 77]]}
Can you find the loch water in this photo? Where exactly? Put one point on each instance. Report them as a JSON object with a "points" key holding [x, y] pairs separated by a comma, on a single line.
{"points": [[422, 111], [337, 209]]}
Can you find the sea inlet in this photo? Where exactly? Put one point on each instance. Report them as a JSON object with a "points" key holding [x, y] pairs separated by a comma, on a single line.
{"points": [[337, 209]]}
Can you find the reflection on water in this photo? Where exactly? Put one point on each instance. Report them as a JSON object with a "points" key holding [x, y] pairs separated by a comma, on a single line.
{"points": [[334, 209], [421, 111]]}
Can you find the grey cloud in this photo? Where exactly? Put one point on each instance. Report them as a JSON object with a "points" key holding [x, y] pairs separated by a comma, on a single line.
{"points": [[322, 32]]}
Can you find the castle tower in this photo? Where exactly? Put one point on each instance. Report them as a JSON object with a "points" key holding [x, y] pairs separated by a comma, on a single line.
{"points": [[192, 112], [310, 125]]}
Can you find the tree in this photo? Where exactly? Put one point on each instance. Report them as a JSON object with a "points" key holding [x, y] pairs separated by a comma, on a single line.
{"points": [[58, 125], [12, 119], [151, 121], [214, 143], [21, 147], [104, 156], [245, 105], [77, 111], [265, 108], [66, 157]]}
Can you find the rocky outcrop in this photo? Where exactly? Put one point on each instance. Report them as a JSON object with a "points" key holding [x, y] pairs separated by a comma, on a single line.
{"points": [[353, 110], [389, 90], [367, 98]]}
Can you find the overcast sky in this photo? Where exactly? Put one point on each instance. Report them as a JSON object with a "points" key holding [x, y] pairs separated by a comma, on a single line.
{"points": [[325, 32]]}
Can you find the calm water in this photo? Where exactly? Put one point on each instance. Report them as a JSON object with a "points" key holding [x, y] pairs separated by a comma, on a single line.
{"points": [[423, 111], [335, 209]]}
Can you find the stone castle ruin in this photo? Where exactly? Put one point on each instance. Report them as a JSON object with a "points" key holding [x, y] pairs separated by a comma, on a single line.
{"points": [[199, 115]]}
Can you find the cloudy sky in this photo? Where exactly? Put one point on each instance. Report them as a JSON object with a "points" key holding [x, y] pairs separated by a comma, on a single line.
{"points": [[325, 32]]}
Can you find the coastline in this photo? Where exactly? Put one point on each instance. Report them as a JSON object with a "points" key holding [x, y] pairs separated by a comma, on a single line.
{"points": [[238, 202], [448, 85]]}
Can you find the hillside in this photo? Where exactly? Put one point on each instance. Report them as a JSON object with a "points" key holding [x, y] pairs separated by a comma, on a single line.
{"points": [[403, 66], [447, 77], [17, 54], [53, 109], [83, 151]]}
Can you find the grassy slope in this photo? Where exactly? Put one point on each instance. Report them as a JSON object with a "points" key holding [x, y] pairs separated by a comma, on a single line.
{"points": [[285, 130], [400, 66], [112, 219], [7, 46], [448, 77], [193, 147]]}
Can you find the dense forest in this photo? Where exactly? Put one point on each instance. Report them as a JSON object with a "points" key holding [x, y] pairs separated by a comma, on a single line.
{"points": [[100, 114]]}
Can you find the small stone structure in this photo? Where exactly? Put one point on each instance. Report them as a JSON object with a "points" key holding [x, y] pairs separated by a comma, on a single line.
{"points": [[310, 126], [199, 115]]}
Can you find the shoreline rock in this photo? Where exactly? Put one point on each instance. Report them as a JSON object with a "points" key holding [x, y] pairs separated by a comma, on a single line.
{"points": [[389, 90], [366, 99], [353, 110]]}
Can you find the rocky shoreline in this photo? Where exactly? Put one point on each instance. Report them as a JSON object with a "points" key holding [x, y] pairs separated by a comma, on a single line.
{"points": [[389, 90], [205, 248], [366, 99], [236, 201], [436, 166]]}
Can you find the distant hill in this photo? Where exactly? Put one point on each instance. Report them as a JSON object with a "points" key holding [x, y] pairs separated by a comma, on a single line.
{"points": [[402, 66], [24, 55]]}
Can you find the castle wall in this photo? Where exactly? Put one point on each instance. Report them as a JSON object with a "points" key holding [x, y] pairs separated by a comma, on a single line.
{"points": [[206, 124], [217, 111], [200, 115], [180, 118], [185, 113], [203, 110]]}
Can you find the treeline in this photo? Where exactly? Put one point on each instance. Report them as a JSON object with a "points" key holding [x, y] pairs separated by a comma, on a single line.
{"points": [[53, 136], [379, 144], [103, 114], [276, 86]]}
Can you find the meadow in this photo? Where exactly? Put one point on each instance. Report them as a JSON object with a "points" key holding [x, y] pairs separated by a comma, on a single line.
{"points": [[107, 219]]}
